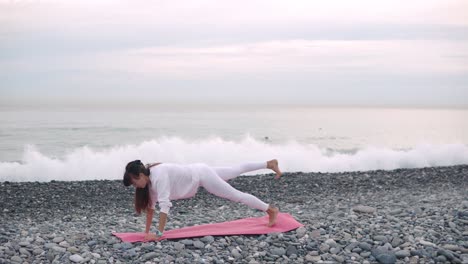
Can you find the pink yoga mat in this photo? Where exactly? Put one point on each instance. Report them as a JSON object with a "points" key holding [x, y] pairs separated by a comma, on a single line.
{"points": [[247, 226]]}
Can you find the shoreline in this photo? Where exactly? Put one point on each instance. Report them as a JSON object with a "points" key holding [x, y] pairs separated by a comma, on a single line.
{"points": [[397, 170], [416, 215]]}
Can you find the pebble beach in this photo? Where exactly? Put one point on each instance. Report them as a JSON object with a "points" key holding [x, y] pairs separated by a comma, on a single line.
{"points": [[382, 216]]}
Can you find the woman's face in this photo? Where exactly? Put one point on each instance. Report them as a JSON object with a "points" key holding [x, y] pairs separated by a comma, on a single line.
{"points": [[140, 182]]}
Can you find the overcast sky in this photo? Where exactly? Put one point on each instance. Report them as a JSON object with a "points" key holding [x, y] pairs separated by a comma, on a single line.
{"points": [[311, 52]]}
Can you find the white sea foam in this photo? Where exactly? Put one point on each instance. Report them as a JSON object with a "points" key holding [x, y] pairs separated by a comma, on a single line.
{"points": [[85, 163]]}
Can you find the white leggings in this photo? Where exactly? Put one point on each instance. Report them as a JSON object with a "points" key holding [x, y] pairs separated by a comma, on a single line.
{"points": [[214, 181]]}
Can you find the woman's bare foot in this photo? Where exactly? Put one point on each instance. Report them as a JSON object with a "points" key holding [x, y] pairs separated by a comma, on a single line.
{"points": [[273, 165], [272, 213]]}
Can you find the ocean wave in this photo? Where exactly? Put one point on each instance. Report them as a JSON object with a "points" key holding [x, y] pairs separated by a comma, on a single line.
{"points": [[86, 163]]}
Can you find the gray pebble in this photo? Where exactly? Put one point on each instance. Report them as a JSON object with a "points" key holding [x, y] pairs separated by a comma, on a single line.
{"points": [[383, 255], [351, 246], [64, 244], [37, 251], [301, 231], [126, 245], [380, 238], [262, 244], [58, 239], [187, 242], [198, 244], [324, 247], [396, 242], [16, 259], [150, 255], [279, 251], [73, 249], [76, 258], [235, 253], [365, 246], [446, 253], [39, 240], [49, 245], [59, 249], [291, 250], [339, 259], [24, 243], [24, 251], [402, 253], [364, 209], [207, 239], [179, 246]]}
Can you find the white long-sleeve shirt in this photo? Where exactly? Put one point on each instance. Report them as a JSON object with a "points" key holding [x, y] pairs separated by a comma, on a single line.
{"points": [[171, 181]]}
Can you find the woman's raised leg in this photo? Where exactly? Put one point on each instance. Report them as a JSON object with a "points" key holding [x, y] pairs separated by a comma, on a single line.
{"points": [[227, 173], [216, 185]]}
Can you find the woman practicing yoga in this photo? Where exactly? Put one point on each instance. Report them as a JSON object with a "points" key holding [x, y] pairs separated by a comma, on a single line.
{"points": [[163, 182]]}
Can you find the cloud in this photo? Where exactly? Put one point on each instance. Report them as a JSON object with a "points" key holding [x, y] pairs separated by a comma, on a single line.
{"points": [[86, 14], [273, 57], [58, 47]]}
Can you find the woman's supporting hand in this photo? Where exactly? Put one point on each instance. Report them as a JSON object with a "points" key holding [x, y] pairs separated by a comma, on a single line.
{"points": [[149, 219]]}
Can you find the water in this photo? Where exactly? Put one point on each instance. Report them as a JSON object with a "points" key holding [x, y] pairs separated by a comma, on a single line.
{"points": [[41, 143]]}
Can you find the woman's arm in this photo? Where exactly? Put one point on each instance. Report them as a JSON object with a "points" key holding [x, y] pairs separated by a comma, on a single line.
{"points": [[162, 221], [150, 212], [149, 219]]}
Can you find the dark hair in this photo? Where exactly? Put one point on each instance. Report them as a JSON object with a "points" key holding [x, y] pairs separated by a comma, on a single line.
{"points": [[142, 196]]}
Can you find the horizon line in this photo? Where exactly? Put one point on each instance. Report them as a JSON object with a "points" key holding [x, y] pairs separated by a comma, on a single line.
{"points": [[179, 103]]}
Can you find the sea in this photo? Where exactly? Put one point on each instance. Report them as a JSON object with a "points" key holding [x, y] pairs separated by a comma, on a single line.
{"points": [[73, 142]]}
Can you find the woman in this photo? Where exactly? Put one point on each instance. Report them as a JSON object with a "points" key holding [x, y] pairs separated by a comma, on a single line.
{"points": [[163, 182]]}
